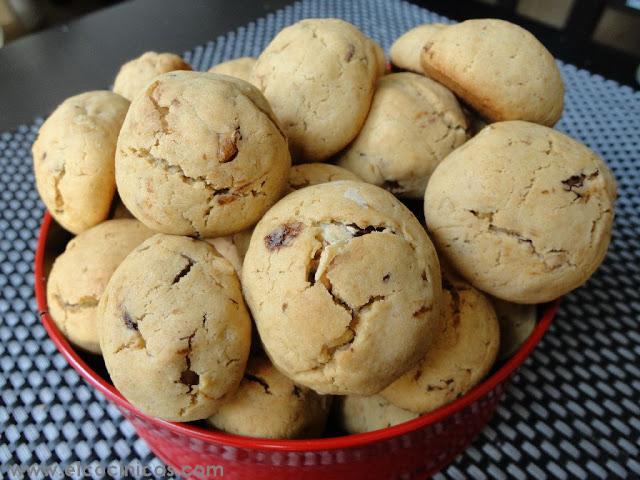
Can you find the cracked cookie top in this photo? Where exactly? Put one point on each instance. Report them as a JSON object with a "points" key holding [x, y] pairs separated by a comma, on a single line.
{"points": [[200, 154], [269, 405], [73, 158], [81, 273], [135, 74], [522, 211], [462, 354], [413, 124], [406, 50], [498, 68], [174, 330], [319, 76], [344, 286]]}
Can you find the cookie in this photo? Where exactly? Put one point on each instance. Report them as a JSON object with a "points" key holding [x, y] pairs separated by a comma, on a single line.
{"points": [[319, 76], [516, 324], [174, 331], [413, 124], [73, 158], [407, 49], [522, 211], [308, 174], [357, 414], [269, 405], [200, 154], [238, 67], [498, 68], [344, 286], [80, 275], [459, 358], [137, 73]]}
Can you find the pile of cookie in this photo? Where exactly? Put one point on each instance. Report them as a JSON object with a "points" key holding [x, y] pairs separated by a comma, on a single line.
{"points": [[220, 283]]}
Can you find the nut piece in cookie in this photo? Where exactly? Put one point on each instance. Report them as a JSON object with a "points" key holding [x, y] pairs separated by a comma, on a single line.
{"points": [[522, 211], [356, 414], [80, 275], [136, 73], [344, 286], [319, 76], [462, 354], [269, 405], [174, 331], [238, 67], [308, 174], [498, 68], [413, 124], [407, 49], [200, 154], [73, 158]]}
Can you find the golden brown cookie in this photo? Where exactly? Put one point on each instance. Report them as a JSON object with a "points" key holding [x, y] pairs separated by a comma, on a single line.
{"points": [[498, 68], [200, 154], [459, 358], [73, 158], [414, 122], [174, 331], [269, 405], [344, 286], [522, 211], [319, 76], [80, 275], [137, 73]]}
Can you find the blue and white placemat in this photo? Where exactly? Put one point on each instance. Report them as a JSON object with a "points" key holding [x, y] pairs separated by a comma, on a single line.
{"points": [[572, 412]]}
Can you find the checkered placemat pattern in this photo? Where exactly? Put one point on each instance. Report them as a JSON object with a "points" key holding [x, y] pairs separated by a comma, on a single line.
{"points": [[573, 410]]}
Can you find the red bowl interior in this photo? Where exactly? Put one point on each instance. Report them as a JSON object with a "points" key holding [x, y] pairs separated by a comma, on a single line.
{"points": [[341, 442]]}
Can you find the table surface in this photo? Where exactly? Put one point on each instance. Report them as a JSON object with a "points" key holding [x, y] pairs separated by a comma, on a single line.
{"points": [[571, 412], [37, 72]]}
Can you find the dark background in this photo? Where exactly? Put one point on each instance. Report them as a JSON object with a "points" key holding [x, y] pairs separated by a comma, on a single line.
{"points": [[81, 44]]}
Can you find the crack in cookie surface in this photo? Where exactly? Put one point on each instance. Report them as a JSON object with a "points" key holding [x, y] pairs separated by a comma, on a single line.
{"points": [[335, 233], [86, 301], [185, 270], [259, 380], [188, 377], [58, 197]]}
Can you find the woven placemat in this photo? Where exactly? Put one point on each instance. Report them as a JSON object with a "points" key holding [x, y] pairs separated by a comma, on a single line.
{"points": [[572, 411]]}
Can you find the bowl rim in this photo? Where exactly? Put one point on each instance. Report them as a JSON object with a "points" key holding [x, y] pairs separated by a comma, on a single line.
{"points": [[251, 443]]}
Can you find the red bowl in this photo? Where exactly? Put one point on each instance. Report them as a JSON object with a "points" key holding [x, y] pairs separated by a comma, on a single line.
{"points": [[414, 449]]}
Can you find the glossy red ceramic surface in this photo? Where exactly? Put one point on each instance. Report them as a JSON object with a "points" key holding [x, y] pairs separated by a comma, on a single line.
{"points": [[415, 449]]}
